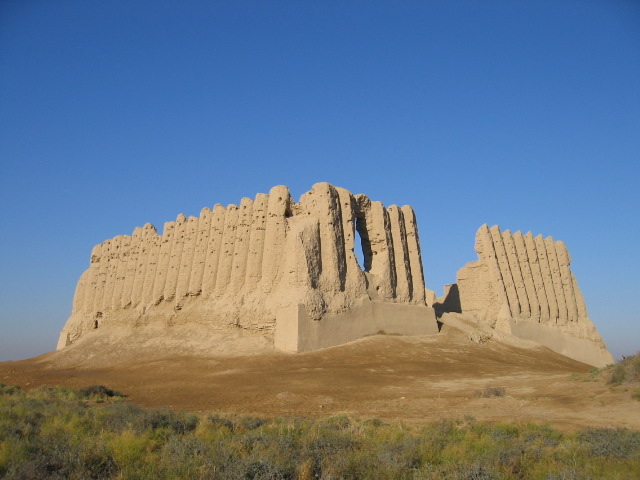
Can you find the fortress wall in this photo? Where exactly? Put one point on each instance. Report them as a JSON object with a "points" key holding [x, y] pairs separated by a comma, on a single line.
{"points": [[243, 266], [225, 261], [415, 259], [101, 275], [132, 263], [477, 282], [505, 270], [564, 262], [536, 273], [200, 252], [164, 245], [498, 305], [256, 241], [302, 267], [323, 203], [334, 266], [474, 290], [537, 270], [375, 230], [581, 306], [86, 305], [79, 296], [186, 262], [175, 259], [274, 237], [213, 250], [554, 268], [129, 259], [148, 235], [148, 283], [404, 285], [110, 272], [355, 280], [297, 332], [516, 271], [240, 265], [547, 280], [241, 246], [539, 294], [527, 275], [121, 271]]}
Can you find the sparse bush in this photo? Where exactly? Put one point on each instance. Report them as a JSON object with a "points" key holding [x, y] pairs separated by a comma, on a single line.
{"points": [[633, 365], [180, 423], [220, 421], [8, 389], [491, 392], [617, 375], [626, 371], [251, 423], [374, 422], [98, 391], [118, 417]]}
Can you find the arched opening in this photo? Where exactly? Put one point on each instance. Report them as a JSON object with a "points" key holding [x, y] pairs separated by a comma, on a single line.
{"points": [[362, 245], [357, 244]]}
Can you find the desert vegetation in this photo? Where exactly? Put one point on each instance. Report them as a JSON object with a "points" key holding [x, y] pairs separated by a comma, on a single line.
{"points": [[625, 374], [94, 433], [626, 371], [491, 392]]}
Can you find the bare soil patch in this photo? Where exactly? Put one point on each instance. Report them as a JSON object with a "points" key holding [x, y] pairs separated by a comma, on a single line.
{"points": [[413, 379]]}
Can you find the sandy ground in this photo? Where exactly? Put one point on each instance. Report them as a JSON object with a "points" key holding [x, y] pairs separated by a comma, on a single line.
{"points": [[413, 379]]}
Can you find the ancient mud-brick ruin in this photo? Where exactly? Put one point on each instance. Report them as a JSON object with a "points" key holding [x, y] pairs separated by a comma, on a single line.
{"points": [[523, 285], [288, 272], [272, 265]]}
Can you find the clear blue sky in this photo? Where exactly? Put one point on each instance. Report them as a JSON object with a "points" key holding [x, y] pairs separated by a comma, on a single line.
{"points": [[524, 114]]}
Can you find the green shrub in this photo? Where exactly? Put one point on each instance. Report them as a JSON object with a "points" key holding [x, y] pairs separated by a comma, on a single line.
{"points": [[98, 391], [8, 389]]}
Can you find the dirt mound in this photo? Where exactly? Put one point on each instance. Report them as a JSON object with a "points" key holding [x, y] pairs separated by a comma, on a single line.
{"points": [[416, 379]]}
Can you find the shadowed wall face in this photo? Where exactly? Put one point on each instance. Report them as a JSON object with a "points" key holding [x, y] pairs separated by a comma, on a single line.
{"points": [[238, 265]]}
